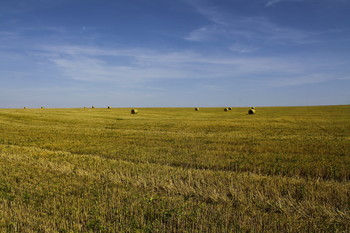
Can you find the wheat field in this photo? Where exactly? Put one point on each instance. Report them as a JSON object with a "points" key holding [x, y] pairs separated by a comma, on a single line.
{"points": [[283, 169]]}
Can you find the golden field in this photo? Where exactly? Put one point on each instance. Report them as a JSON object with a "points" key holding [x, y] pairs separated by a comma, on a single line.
{"points": [[283, 169]]}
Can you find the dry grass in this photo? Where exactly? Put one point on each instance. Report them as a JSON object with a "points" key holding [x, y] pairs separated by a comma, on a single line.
{"points": [[175, 170]]}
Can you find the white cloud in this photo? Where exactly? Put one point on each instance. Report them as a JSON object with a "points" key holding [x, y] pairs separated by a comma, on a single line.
{"points": [[139, 66], [8, 33], [130, 70], [15, 6], [122, 66], [239, 48], [273, 2], [214, 32], [259, 30], [200, 34], [254, 29], [208, 11], [306, 79]]}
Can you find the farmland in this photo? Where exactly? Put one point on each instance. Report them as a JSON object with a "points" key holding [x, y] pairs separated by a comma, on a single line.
{"points": [[175, 170]]}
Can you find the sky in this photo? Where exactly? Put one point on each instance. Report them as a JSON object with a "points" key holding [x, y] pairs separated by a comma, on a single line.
{"points": [[174, 53]]}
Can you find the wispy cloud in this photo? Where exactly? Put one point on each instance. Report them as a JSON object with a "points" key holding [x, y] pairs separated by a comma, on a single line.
{"points": [[124, 66], [273, 2], [301, 79], [8, 34], [129, 66], [255, 30], [214, 32], [239, 48], [15, 6], [140, 66]]}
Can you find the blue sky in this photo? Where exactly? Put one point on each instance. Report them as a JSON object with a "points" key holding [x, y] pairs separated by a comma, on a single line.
{"points": [[173, 53]]}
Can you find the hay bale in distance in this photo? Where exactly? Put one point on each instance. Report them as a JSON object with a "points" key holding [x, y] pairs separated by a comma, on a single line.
{"points": [[251, 111], [225, 109], [253, 107], [134, 111], [92, 106], [229, 108], [25, 108], [196, 109], [109, 107], [41, 107]]}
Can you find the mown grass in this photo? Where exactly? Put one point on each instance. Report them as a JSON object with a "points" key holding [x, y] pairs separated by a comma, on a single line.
{"points": [[284, 169]]}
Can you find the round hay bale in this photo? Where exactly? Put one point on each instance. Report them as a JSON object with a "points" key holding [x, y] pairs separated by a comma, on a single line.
{"points": [[92, 106], [109, 107], [134, 111], [251, 111], [25, 108], [196, 109], [229, 108], [42, 107], [225, 109], [84, 107], [253, 107]]}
